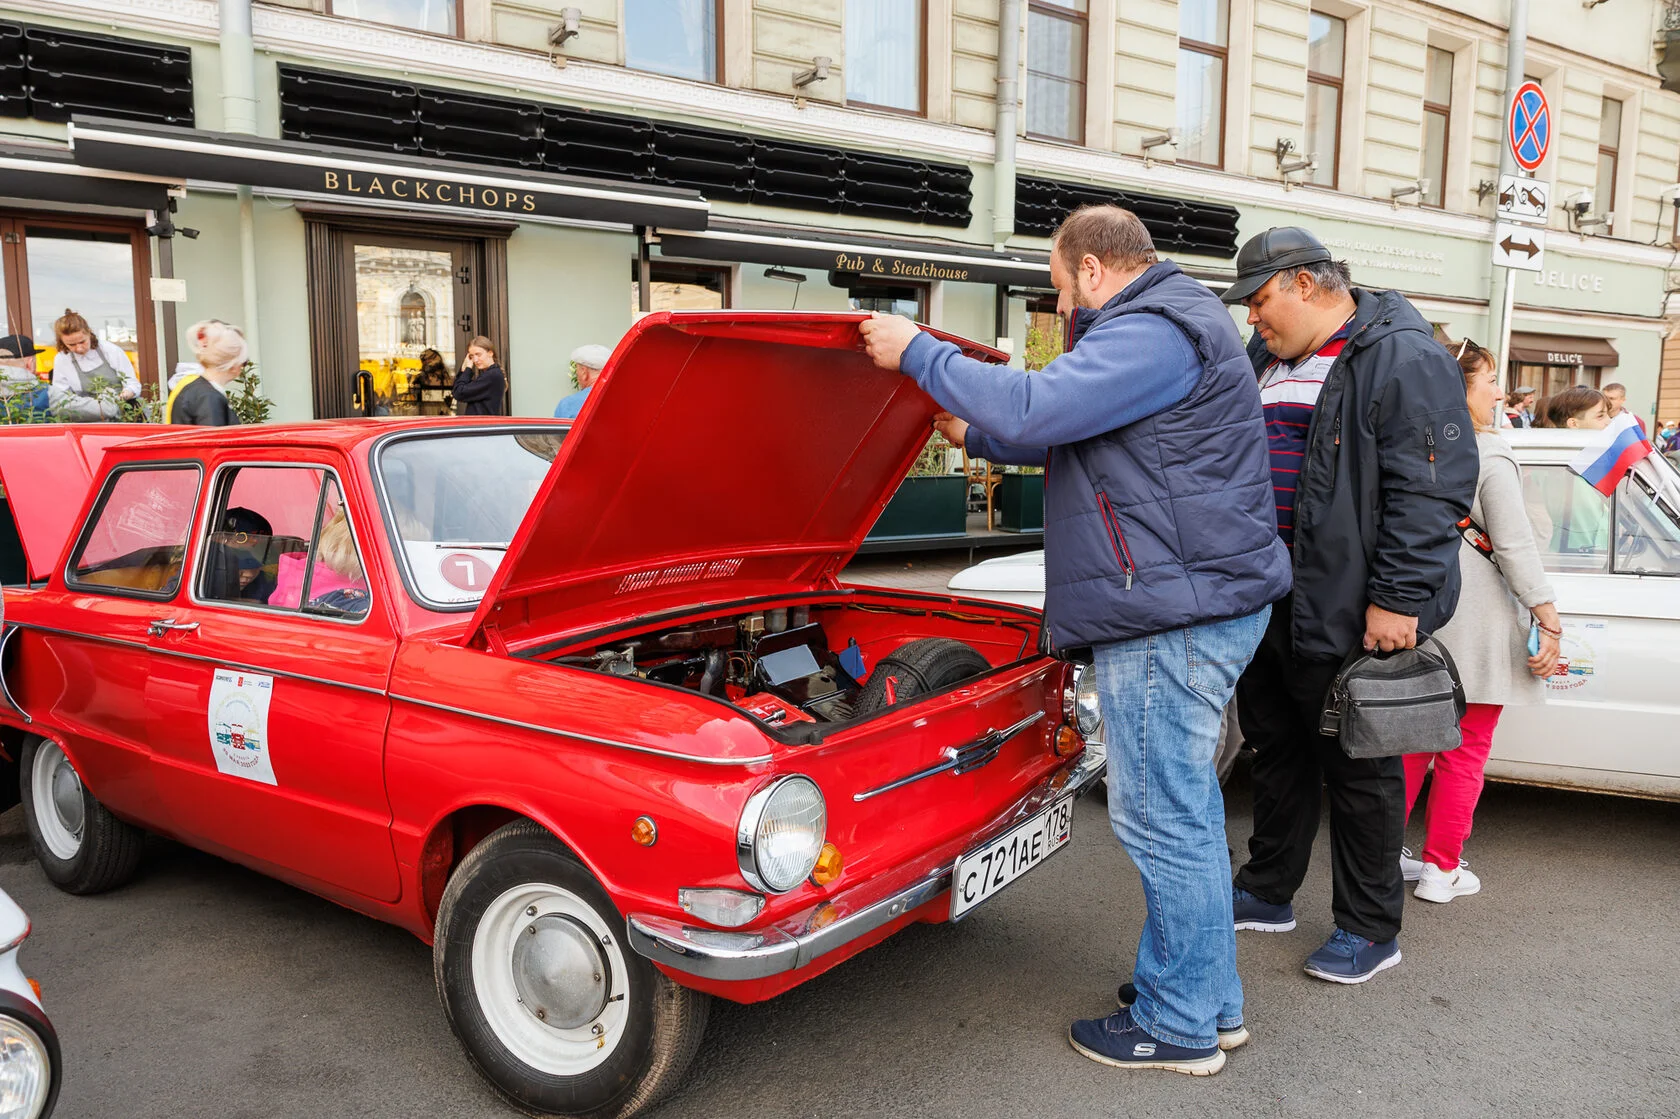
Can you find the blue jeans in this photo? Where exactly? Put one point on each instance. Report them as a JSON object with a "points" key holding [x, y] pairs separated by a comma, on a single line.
{"points": [[1163, 698]]}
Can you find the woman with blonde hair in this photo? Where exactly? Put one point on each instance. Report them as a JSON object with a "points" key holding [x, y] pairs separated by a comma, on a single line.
{"points": [[90, 379], [336, 581], [201, 397], [1504, 604]]}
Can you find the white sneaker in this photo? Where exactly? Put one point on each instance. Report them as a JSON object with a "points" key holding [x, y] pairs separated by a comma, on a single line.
{"points": [[1435, 884], [1410, 869]]}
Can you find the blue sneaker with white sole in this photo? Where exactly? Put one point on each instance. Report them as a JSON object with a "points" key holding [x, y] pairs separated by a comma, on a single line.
{"points": [[1119, 1042], [1250, 913], [1233, 1037], [1349, 958]]}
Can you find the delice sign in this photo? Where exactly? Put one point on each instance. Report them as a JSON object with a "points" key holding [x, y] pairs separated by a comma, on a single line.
{"points": [[1528, 126]]}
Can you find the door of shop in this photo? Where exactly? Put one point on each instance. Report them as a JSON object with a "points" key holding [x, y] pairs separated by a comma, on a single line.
{"points": [[392, 307]]}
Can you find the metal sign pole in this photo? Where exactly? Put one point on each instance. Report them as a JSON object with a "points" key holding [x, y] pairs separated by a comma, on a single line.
{"points": [[1506, 303], [1502, 285]]}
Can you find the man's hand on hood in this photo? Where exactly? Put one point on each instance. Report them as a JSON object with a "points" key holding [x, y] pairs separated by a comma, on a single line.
{"points": [[885, 338]]}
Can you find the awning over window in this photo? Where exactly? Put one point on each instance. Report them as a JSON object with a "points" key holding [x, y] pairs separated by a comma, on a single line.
{"points": [[354, 175], [52, 175], [868, 257], [1561, 349]]}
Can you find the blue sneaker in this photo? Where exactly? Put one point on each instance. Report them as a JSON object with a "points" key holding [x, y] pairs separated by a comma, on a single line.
{"points": [[1121, 1043], [1249, 912], [1234, 1038], [1348, 958]]}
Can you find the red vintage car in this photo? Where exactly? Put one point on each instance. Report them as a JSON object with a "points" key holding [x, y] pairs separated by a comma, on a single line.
{"points": [[586, 708]]}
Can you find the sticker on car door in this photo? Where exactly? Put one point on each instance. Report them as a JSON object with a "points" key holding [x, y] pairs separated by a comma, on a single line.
{"points": [[238, 720]]}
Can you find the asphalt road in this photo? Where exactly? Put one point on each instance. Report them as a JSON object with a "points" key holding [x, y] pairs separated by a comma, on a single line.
{"points": [[203, 989]]}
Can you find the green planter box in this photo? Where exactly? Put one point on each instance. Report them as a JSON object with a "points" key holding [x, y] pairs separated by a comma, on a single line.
{"points": [[1021, 503], [924, 507]]}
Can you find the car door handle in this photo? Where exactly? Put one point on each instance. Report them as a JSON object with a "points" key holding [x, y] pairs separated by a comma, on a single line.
{"points": [[161, 626]]}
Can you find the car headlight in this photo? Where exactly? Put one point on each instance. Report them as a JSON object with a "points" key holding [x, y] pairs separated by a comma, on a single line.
{"points": [[25, 1071], [781, 834], [1087, 705]]}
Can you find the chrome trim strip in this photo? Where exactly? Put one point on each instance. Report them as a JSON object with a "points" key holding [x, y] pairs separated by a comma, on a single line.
{"points": [[962, 760], [5, 689], [741, 956], [631, 746]]}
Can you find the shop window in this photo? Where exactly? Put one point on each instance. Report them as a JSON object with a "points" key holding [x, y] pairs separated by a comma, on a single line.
{"points": [[886, 52], [1203, 36], [681, 287], [1549, 380], [1437, 120], [1609, 141], [100, 269], [1326, 64], [1056, 57], [673, 37], [136, 542], [440, 17], [909, 300]]}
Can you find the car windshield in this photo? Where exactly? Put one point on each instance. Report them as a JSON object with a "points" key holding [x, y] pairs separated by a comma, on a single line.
{"points": [[454, 501]]}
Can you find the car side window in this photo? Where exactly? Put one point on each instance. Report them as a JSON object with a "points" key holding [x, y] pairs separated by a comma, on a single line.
{"points": [[1647, 531], [1571, 520], [136, 539], [280, 538]]}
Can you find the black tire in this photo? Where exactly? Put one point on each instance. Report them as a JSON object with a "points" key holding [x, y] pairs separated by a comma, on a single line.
{"points": [[102, 855], [917, 668], [661, 1023]]}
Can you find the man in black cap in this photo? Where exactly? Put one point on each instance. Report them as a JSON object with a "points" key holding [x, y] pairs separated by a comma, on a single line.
{"points": [[1373, 464], [22, 395]]}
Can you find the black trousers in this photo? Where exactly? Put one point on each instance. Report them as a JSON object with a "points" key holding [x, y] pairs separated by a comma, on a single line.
{"points": [[1278, 703]]}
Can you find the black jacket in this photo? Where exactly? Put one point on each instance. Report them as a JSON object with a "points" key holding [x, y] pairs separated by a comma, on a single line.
{"points": [[483, 393], [1390, 470], [200, 402]]}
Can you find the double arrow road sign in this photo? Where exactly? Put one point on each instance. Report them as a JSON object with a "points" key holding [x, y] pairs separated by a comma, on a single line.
{"points": [[1518, 246]]}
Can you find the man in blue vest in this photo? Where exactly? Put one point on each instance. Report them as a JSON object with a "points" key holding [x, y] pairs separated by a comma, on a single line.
{"points": [[1161, 558]]}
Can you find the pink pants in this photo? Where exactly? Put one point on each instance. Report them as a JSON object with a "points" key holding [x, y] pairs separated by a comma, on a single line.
{"points": [[1457, 787]]}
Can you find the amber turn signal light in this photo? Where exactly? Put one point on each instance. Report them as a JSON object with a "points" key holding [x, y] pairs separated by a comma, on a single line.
{"points": [[1068, 742], [644, 831], [829, 865]]}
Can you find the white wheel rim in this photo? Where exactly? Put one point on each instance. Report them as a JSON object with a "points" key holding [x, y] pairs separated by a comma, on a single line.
{"points": [[60, 810], [544, 1047]]}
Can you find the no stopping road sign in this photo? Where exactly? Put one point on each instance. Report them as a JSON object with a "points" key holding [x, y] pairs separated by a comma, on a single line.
{"points": [[1528, 126]]}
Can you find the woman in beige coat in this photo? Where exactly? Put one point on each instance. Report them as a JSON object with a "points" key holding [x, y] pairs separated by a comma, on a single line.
{"points": [[1504, 593]]}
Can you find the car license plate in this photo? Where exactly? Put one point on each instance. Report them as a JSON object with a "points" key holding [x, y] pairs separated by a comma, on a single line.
{"points": [[980, 874]]}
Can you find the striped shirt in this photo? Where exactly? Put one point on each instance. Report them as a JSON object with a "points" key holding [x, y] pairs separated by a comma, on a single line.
{"points": [[1288, 394]]}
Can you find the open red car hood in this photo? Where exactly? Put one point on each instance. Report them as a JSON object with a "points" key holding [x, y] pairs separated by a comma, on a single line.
{"points": [[47, 470], [723, 454]]}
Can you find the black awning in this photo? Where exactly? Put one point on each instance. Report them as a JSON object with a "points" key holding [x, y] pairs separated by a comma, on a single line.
{"points": [[52, 175], [870, 257], [368, 176], [1562, 349]]}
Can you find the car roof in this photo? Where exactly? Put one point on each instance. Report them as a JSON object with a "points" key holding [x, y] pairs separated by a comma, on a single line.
{"points": [[343, 435]]}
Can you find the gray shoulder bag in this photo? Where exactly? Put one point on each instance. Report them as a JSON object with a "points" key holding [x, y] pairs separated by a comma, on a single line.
{"points": [[1406, 702]]}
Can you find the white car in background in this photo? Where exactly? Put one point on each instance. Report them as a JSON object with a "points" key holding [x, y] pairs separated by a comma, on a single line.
{"points": [[1611, 722], [30, 1068]]}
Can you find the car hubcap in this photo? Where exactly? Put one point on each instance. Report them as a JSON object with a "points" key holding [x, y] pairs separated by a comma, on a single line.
{"points": [[60, 805], [551, 979], [560, 973]]}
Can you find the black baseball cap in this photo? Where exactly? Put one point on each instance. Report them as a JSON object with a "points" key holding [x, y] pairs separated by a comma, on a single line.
{"points": [[1266, 254], [14, 346]]}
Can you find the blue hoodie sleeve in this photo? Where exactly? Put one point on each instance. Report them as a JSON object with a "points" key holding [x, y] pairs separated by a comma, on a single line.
{"points": [[1123, 370], [981, 445]]}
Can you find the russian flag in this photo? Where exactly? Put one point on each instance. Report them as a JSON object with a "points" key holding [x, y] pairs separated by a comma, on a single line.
{"points": [[1606, 461]]}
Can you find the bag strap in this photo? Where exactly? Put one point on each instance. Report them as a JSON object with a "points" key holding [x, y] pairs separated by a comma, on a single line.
{"points": [[1480, 542]]}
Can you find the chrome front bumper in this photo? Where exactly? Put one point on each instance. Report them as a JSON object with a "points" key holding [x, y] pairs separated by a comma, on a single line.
{"points": [[796, 941]]}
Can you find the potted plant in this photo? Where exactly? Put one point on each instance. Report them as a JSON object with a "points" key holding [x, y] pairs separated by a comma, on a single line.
{"points": [[1021, 499], [930, 501]]}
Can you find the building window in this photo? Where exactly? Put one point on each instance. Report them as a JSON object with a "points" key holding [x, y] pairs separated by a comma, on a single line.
{"points": [[681, 287], [909, 300], [886, 45], [1549, 380], [674, 37], [1326, 58], [1056, 70], [1609, 139], [1203, 29], [1437, 120], [440, 17]]}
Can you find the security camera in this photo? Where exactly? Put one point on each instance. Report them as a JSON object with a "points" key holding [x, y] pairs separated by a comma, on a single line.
{"points": [[1581, 202], [817, 73], [571, 20]]}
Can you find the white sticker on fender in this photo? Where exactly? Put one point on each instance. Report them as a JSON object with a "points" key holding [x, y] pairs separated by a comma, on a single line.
{"points": [[239, 724]]}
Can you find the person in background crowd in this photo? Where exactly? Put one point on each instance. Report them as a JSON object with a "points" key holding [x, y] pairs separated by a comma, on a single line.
{"points": [[482, 385], [432, 383], [90, 378], [1504, 592], [587, 363], [1577, 406], [1373, 465], [1667, 436], [201, 398], [1519, 406], [23, 398], [1160, 558], [1615, 401]]}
